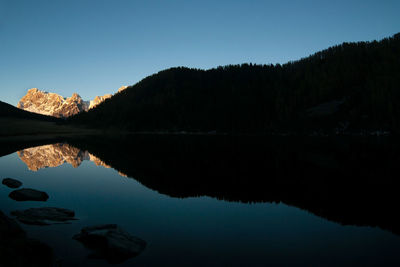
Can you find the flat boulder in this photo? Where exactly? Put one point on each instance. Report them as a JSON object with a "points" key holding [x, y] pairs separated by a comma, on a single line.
{"points": [[44, 216], [110, 242], [11, 183], [28, 194]]}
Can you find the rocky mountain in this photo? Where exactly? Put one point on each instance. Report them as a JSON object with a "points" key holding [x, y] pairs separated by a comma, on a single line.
{"points": [[98, 99], [53, 104], [122, 88]]}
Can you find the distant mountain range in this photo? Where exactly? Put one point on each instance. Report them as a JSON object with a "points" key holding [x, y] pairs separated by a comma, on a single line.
{"points": [[53, 104]]}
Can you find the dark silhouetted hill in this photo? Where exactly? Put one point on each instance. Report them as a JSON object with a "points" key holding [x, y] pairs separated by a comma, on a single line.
{"points": [[20, 124], [9, 111], [352, 86]]}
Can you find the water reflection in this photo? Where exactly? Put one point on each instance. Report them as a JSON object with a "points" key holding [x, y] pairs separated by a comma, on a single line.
{"points": [[54, 155], [331, 178], [342, 181]]}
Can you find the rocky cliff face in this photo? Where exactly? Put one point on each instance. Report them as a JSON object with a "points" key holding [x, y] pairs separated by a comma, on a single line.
{"points": [[52, 104], [98, 99], [122, 88], [55, 105]]}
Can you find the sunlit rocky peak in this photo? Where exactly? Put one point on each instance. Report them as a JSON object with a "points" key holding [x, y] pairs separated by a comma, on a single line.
{"points": [[98, 99], [122, 88], [53, 104]]}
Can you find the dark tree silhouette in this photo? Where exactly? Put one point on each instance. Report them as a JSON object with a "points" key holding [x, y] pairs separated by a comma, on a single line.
{"points": [[355, 84]]}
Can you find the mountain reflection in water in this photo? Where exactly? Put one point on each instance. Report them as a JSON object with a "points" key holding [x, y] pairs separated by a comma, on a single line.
{"points": [[54, 155], [349, 180], [342, 181], [352, 181]]}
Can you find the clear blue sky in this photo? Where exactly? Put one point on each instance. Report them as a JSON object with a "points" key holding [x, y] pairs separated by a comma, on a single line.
{"points": [[94, 47]]}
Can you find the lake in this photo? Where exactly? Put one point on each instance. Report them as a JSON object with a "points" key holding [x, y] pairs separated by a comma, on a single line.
{"points": [[218, 201]]}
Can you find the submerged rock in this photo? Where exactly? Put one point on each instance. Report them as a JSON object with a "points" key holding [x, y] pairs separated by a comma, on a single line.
{"points": [[18, 250], [11, 183], [110, 242], [27, 194], [44, 216]]}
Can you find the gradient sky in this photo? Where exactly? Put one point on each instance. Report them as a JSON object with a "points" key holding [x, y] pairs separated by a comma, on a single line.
{"points": [[94, 47]]}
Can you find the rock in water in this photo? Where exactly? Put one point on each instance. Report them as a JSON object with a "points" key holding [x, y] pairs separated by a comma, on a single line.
{"points": [[27, 194], [44, 216], [110, 242], [12, 183]]}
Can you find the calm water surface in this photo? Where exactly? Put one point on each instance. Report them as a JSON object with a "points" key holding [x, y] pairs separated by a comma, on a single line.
{"points": [[199, 231]]}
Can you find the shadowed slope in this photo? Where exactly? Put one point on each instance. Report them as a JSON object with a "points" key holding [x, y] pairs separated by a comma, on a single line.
{"points": [[9, 111], [353, 86]]}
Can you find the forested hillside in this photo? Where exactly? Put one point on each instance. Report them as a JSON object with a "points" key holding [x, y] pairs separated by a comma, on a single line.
{"points": [[352, 86]]}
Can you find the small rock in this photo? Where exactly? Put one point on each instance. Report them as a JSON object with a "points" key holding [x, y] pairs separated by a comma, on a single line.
{"points": [[43, 216], [110, 242], [11, 183], [27, 194]]}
